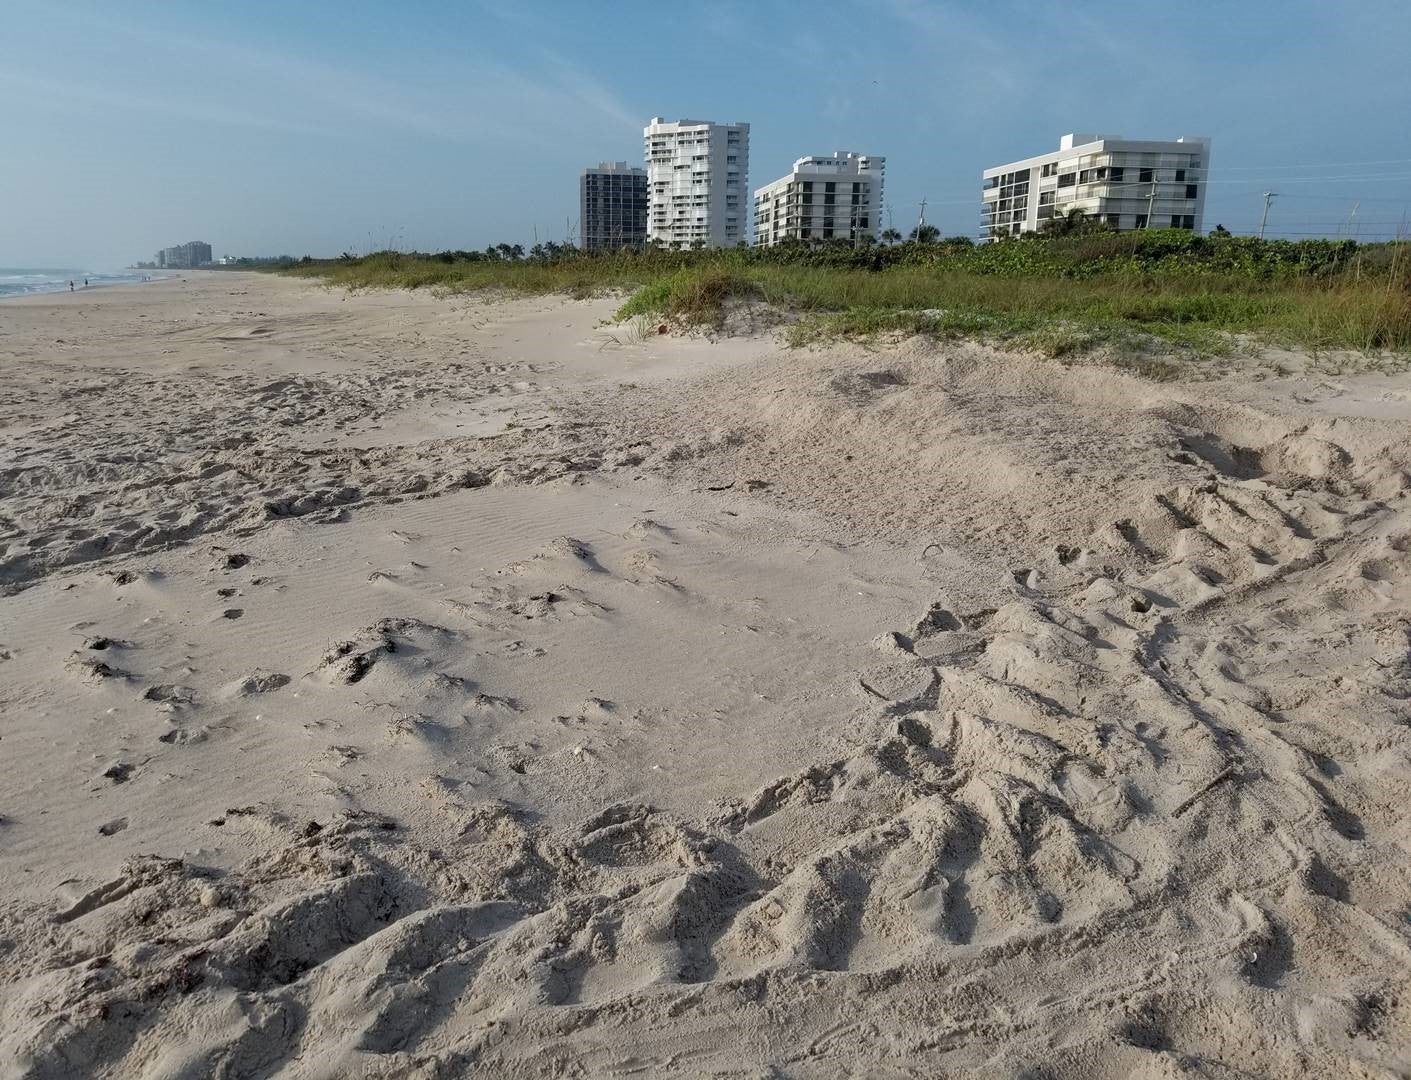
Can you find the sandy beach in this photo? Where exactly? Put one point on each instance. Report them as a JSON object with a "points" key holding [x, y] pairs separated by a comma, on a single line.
{"points": [[395, 685]]}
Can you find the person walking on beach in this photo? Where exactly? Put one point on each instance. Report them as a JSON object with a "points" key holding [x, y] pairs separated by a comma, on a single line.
{"points": [[70, 285], [85, 283]]}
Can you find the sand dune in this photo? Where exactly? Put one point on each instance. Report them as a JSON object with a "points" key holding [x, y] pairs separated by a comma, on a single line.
{"points": [[400, 686]]}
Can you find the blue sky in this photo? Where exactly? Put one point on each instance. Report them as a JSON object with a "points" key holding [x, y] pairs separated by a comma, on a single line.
{"points": [[319, 127]]}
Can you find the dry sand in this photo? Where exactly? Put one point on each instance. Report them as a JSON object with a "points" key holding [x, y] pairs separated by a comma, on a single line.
{"points": [[394, 686]]}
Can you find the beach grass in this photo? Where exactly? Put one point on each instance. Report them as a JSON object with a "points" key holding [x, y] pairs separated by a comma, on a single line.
{"points": [[1059, 297]]}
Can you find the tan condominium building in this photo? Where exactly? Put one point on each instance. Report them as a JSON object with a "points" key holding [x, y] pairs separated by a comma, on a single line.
{"points": [[822, 198], [1123, 183], [697, 177]]}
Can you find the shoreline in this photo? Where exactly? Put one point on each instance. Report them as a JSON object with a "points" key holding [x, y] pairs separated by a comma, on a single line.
{"points": [[85, 288]]}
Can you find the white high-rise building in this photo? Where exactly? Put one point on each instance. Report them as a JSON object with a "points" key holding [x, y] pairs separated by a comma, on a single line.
{"points": [[697, 174], [1124, 183], [822, 198]]}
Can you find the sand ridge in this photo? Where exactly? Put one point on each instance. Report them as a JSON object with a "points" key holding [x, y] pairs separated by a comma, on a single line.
{"points": [[693, 709]]}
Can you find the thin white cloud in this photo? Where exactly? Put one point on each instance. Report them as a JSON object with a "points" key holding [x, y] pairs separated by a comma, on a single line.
{"points": [[303, 93], [90, 98]]}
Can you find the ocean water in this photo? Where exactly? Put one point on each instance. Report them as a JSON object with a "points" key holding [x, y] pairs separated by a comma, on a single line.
{"points": [[22, 280]]}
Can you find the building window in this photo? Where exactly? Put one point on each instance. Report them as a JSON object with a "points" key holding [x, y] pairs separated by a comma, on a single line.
{"points": [[828, 199], [1067, 179], [1115, 220], [1045, 198], [1180, 176], [1175, 221], [830, 186], [1115, 174], [1191, 191], [1141, 221], [1144, 176], [1188, 222], [1051, 169], [808, 185]]}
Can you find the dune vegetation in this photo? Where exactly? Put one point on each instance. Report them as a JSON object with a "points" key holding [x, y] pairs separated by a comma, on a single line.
{"points": [[1059, 295]]}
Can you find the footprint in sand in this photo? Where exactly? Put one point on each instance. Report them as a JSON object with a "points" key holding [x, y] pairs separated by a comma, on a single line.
{"points": [[170, 695], [94, 670], [258, 682], [101, 644]]}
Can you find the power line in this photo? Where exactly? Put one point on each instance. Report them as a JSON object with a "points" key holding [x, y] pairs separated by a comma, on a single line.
{"points": [[1316, 165], [1360, 198], [1320, 179], [1144, 185]]}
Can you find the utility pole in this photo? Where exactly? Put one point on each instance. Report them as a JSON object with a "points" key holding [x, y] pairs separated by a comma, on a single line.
{"points": [[1269, 197], [1151, 200], [922, 219]]}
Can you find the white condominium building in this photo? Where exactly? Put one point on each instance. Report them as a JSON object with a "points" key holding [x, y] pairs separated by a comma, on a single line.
{"points": [[1124, 183], [823, 198], [697, 173]]}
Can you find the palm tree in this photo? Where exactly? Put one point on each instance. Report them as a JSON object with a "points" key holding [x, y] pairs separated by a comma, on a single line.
{"points": [[1075, 221], [890, 236], [925, 234]]}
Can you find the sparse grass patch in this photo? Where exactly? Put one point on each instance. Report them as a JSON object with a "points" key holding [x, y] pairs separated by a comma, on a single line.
{"points": [[1058, 340], [691, 297], [1155, 368]]}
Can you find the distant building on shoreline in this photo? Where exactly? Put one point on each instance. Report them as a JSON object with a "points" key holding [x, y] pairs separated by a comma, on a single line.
{"points": [[612, 201], [822, 198], [186, 256], [1123, 183], [697, 177]]}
